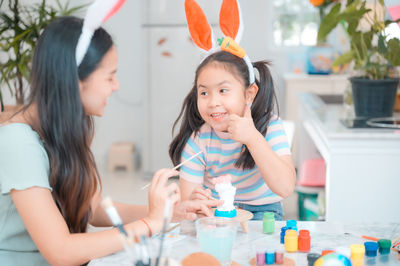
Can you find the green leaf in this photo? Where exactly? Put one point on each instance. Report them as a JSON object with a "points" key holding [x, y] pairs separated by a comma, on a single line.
{"points": [[381, 44], [344, 59], [393, 52], [329, 22]]}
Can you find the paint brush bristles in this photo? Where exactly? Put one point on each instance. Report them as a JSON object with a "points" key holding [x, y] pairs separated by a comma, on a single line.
{"points": [[113, 214], [176, 167]]}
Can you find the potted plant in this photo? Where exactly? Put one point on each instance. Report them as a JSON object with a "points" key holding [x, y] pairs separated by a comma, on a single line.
{"points": [[20, 28], [373, 53]]}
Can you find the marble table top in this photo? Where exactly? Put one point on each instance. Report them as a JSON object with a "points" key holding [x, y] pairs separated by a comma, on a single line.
{"points": [[324, 235]]}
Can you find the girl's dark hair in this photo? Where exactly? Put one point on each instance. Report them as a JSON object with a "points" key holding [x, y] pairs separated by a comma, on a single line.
{"points": [[261, 109], [62, 123]]}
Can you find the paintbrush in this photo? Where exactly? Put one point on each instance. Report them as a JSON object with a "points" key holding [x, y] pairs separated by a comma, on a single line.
{"points": [[113, 215], [166, 215], [176, 167]]}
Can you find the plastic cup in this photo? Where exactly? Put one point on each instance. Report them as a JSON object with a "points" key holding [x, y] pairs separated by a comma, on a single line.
{"points": [[216, 236]]}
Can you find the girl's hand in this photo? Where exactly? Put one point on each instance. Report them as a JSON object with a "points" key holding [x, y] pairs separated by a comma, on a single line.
{"points": [[159, 192], [242, 129], [189, 209], [200, 193]]}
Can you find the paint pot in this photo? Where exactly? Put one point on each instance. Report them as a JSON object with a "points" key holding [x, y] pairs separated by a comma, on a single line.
{"points": [[311, 258], [371, 249], [304, 240], [260, 257], [268, 223], [326, 252], [291, 224], [357, 254], [270, 256], [283, 231], [279, 254], [291, 240], [384, 246]]}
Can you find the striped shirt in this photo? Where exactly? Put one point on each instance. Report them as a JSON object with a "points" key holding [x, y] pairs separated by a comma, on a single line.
{"points": [[219, 156]]}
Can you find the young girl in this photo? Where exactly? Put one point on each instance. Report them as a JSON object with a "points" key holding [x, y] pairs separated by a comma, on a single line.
{"points": [[228, 115], [249, 143], [50, 186]]}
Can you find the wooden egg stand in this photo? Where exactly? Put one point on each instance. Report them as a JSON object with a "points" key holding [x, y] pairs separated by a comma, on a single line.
{"points": [[243, 218]]}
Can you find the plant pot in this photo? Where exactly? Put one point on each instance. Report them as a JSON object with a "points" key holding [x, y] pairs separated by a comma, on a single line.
{"points": [[373, 98]]}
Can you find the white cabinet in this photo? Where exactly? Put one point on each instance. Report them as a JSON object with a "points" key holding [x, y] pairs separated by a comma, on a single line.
{"points": [[319, 84], [362, 165]]}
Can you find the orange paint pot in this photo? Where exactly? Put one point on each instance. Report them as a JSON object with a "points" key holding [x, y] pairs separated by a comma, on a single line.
{"points": [[304, 241]]}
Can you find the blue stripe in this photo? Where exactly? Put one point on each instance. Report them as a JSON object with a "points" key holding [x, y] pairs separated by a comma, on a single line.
{"points": [[234, 172], [244, 179], [190, 171], [193, 145], [195, 160], [266, 194], [275, 134], [279, 146], [275, 122], [209, 135], [214, 150], [221, 165], [251, 188]]}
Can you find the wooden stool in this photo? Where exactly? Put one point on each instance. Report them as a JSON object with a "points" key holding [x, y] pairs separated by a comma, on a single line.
{"points": [[120, 155]]}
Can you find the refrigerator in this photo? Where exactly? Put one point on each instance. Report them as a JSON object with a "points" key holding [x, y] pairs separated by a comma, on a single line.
{"points": [[170, 59]]}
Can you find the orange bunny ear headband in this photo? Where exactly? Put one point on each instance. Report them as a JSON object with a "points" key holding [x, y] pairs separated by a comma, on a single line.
{"points": [[98, 13], [230, 22]]}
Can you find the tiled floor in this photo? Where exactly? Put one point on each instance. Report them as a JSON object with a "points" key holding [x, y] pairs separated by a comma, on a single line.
{"points": [[126, 187]]}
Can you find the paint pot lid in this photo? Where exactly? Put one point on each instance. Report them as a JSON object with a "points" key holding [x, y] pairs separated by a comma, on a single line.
{"points": [[357, 249], [312, 257], [304, 233], [291, 232], [371, 246], [280, 249], [283, 229], [291, 223], [269, 215], [384, 243]]}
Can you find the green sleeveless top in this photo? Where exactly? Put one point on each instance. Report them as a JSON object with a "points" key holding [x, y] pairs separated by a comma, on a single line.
{"points": [[23, 164]]}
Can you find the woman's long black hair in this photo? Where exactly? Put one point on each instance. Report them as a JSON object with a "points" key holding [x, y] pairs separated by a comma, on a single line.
{"points": [[62, 123], [261, 109]]}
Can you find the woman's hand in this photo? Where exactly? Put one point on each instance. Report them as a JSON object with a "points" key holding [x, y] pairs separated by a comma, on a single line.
{"points": [[189, 209], [242, 129], [159, 192]]}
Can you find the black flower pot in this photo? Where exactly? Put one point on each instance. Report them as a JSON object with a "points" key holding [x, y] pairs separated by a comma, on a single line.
{"points": [[374, 98]]}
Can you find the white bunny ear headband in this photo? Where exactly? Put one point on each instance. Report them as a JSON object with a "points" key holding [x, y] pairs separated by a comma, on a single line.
{"points": [[230, 22], [98, 13]]}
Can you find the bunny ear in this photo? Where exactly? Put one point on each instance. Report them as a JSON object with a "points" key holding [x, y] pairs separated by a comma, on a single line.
{"points": [[198, 25], [230, 19], [97, 13]]}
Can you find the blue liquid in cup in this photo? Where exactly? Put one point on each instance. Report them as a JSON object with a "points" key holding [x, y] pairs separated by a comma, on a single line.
{"points": [[216, 237]]}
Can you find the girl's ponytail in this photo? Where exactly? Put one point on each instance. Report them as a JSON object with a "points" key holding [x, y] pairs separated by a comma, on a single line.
{"points": [[261, 109]]}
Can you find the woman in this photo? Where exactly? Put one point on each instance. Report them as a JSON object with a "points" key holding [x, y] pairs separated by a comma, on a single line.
{"points": [[50, 186]]}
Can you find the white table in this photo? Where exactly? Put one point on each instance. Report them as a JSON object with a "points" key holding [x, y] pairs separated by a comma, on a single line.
{"points": [[324, 235], [362, 165]]}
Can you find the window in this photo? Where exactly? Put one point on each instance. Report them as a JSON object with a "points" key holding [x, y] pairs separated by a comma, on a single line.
{"points": [[295, 23]]}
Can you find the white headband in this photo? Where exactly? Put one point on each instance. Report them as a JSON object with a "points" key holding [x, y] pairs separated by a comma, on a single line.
{"points": [[98, 12]]}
